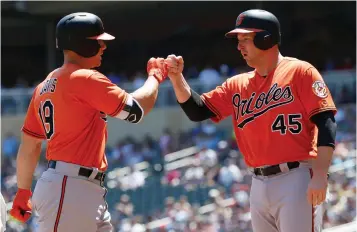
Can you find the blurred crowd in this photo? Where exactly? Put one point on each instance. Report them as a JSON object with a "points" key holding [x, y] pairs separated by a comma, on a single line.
{"points": [[214, 182], [210, 74]]}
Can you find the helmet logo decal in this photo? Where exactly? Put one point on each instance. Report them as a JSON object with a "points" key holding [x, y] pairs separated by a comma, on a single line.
{"points": [[240, 19]]}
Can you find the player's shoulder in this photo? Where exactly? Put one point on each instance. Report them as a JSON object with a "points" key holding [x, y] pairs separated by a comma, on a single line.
{"points": [[298, 64], [242, 76], [82, 73]]}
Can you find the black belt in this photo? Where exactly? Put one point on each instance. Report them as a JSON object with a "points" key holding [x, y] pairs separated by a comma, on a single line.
{"points": [[86, 172], [274, 169]]}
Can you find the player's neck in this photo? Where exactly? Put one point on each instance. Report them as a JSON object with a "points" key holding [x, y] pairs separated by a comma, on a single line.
{"points": [[76, 62], [70, 59], [269, 63]]}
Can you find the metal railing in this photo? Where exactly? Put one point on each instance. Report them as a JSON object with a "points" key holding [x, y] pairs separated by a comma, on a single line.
{"points": [[15, 101]]}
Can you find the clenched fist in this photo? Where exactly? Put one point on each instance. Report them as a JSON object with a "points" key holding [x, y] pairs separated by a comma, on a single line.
{"points": [[175, 66], [317, 189], [156, 67], [22, 207]]}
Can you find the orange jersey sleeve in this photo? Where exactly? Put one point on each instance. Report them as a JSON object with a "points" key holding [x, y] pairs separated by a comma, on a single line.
{"points": [[31, 125], [314, 93], [219, 101], [101, 94]]}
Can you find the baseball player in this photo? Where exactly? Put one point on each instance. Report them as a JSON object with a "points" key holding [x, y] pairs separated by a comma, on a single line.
{"points": [[3, 214], [283, 119], [69, 110]]}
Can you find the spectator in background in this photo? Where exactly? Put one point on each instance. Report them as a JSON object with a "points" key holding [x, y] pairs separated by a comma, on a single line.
{"points": [[207, 157], [330, 64], [224, 71], [173, 177], [182, 215], [138, 80], [137, 224], [166, 142], [127, 149], [229, 174], [169, 210], [150, 150], [346, 95], [115, 156], [209, 77], [114, 77], [135, 179], [10, 145], [194, 174], [124, 208], [192, 72], [148, 153], [136, 156]]}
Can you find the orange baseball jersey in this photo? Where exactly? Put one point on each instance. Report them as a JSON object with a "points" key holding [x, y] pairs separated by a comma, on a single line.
{"points": [[69, 109], [271, 115]]}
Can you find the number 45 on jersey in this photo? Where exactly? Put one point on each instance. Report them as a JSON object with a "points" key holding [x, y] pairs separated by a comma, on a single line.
{"points": [[290, 122]]}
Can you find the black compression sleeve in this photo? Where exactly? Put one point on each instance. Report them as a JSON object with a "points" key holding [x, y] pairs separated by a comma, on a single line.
{"points": [[195, 109], [326, 124]]}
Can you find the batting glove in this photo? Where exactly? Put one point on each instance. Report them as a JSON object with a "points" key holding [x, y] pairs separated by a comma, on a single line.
{"points": [[157, 68], [22, 207]]}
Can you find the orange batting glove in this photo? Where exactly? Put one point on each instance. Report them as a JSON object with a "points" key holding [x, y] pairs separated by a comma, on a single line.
{"points": [[22, 207], [157, 68]]}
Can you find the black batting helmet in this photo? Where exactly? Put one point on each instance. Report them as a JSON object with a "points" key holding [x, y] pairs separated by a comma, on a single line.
{"points": [[80, 32], [263, 23]]}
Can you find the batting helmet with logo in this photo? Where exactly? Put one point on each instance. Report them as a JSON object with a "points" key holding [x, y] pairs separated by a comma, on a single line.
{"points": [[80, 32], [263, 23]]}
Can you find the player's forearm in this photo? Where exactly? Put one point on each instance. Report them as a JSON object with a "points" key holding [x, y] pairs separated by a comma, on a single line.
{"points": [[181, 88], [27, 159], [147, 94], [321, 164]]}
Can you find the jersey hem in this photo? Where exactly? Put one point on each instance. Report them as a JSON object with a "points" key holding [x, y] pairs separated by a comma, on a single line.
{"points": [[299, 159], [316, 111], [119, 108], [33, 134]]}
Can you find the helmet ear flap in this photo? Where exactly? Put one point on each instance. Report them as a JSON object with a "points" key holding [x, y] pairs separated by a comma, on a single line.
{"points": [[83, 47], [263, 40], [87, 47]]}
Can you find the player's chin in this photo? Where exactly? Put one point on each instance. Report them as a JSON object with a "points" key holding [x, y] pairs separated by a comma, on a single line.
{"points": [[98, 62], [250, 64]]}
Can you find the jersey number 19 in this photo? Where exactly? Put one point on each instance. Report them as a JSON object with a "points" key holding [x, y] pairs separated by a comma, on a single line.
{"points": [[46, 111]]}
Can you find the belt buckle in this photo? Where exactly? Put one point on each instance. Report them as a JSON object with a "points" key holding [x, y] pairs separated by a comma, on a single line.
{"points": [[260, 171]]}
